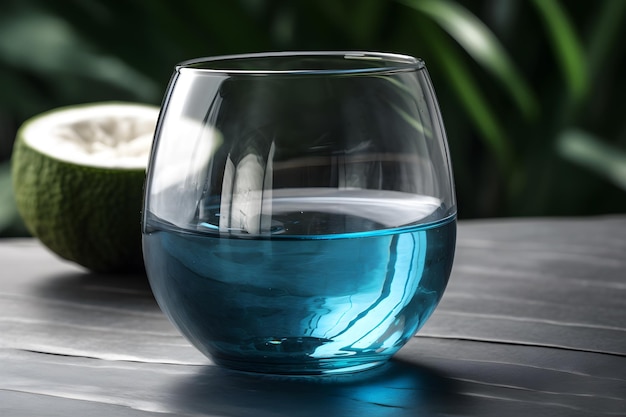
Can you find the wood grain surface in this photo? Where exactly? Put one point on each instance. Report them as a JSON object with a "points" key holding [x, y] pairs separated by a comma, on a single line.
{"points": [[533, 323]]}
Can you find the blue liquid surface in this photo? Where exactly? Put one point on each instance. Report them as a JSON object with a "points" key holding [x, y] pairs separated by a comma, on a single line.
{"points": [[292, 304]]}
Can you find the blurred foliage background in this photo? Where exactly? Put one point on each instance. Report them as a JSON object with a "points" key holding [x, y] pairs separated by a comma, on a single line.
{"points": [[531, 91]]}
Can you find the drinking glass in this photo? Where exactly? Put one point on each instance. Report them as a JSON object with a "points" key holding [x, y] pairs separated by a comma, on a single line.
{"points": [[299, 215]]}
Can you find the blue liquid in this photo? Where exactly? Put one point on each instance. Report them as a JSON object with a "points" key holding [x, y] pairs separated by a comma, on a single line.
{"points": [[297, 305]]}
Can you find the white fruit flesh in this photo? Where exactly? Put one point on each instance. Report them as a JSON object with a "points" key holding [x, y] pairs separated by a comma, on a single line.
{"points": [[106, 135]]}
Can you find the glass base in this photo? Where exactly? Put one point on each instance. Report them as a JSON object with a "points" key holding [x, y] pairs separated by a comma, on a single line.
{"points": [[313, 368]]}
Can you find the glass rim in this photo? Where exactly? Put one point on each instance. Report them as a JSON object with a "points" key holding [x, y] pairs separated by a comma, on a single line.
{"points": [[363, 63]]}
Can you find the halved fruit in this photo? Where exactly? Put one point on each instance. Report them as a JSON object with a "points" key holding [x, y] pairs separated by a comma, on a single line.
{"points": [[78, 175]]}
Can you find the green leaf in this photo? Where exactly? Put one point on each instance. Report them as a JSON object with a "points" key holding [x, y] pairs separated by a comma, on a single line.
{"points": [[45, 44], [566, 44], [411, 120], [586, 150], [480, 43], [604, 35], [478, 108]]}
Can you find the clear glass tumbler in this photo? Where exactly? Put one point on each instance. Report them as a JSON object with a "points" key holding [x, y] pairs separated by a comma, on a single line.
{"points": [[299, 215]]}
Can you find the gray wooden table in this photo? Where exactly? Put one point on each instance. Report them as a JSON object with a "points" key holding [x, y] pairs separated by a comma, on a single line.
{"points": [[533, 324]]}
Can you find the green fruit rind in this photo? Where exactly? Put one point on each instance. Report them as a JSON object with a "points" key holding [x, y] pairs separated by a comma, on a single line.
{"points": [[88, 215]]}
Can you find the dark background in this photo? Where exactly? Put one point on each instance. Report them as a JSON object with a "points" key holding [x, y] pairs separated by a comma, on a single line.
{"points": [[531, 91]]}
